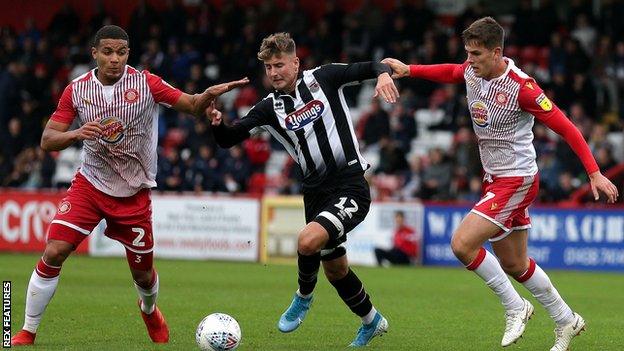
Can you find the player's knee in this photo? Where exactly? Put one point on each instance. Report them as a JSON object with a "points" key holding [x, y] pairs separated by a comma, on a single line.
{"points": [[459, 246], [308, 243], [56, 252]]}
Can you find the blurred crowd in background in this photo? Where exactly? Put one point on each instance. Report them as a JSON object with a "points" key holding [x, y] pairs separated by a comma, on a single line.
{"points": [[422, 147]]}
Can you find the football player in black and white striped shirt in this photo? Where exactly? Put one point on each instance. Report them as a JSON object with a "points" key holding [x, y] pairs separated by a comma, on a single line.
{"points": [[308, 114]]}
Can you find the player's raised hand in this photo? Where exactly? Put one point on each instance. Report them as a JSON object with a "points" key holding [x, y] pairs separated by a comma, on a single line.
{"points": [[214, 115], [600, 183], [386, 88], [223, 88], [89, 131], [399, 69]]}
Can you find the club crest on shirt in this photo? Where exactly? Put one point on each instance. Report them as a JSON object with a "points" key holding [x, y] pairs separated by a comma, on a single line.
{"points": [[112, 130], [308, 113], [544, 102], [314, 86], [131, 95], [479, 113], [64, 207], [501, 98]]}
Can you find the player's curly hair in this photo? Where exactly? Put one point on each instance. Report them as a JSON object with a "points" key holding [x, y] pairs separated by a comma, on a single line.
{"points": [[276, 44], [110, 32], [485, 31]]}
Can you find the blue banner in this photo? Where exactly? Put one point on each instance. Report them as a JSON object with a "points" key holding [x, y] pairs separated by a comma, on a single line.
{"points": [[582, 239]]}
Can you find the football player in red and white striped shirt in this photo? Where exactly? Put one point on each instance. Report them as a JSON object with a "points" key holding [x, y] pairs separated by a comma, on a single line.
{"points": [[503, 102], [117, 107]]}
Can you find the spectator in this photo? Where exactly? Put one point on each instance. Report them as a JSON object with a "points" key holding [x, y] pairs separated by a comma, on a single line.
{"points": [[391, 157], [258, 151], [405, 244], [236, 170], [564, 188], [436, 178], [402, 127], [374, 124]]}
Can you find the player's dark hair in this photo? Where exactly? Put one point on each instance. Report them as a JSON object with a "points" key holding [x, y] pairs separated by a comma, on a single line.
{"points": [[110, 32], [275, 45], [486, 32], [400, 213]]}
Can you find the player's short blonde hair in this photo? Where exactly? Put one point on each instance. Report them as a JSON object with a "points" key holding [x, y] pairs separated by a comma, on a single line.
{"points": [[485, 31], [275, 45]]}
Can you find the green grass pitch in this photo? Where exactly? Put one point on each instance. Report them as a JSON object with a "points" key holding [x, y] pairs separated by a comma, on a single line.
{"points": [[427, 308]]}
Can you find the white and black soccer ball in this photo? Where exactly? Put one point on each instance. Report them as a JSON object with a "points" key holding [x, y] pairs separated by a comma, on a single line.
{"points": [[218, 332]]}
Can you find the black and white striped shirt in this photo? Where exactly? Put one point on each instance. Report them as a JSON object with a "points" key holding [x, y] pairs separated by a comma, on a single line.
{"points": [[313, 122]]}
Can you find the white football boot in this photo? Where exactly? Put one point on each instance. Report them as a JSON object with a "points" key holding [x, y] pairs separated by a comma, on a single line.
{"points": [[565, 334], [515, 323]]}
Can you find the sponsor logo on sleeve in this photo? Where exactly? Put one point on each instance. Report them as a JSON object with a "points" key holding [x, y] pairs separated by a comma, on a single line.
{"points": [[544, 102], [308, 113]]}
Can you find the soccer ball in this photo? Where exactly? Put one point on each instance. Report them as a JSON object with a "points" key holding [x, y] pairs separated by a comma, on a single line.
{"points": [[218, 332]]}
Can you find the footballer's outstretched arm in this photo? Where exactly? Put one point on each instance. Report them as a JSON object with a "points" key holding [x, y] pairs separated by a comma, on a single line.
{"points": [[228, 136], [532, 99], [440, 73], [196, 104], [342, 73]]}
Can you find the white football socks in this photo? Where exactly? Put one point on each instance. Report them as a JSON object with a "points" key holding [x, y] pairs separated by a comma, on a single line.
{"points": [[302, 295], [368, 319], [148, 296], [538, 283], [486, 266], [39, 293]]}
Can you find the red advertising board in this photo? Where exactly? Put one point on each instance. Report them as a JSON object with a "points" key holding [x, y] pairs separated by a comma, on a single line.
{"points": [[24, 220]]}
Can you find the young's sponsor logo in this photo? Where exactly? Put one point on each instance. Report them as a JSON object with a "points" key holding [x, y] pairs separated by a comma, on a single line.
{"points": [[308, 113]]}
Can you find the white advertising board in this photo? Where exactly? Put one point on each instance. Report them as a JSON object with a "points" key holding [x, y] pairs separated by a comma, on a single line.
{"points": [[196, 227]]}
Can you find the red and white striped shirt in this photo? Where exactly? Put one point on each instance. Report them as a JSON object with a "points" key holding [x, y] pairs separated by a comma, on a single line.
{"points": [[503, 128], [502, 111], [123, 160]]}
